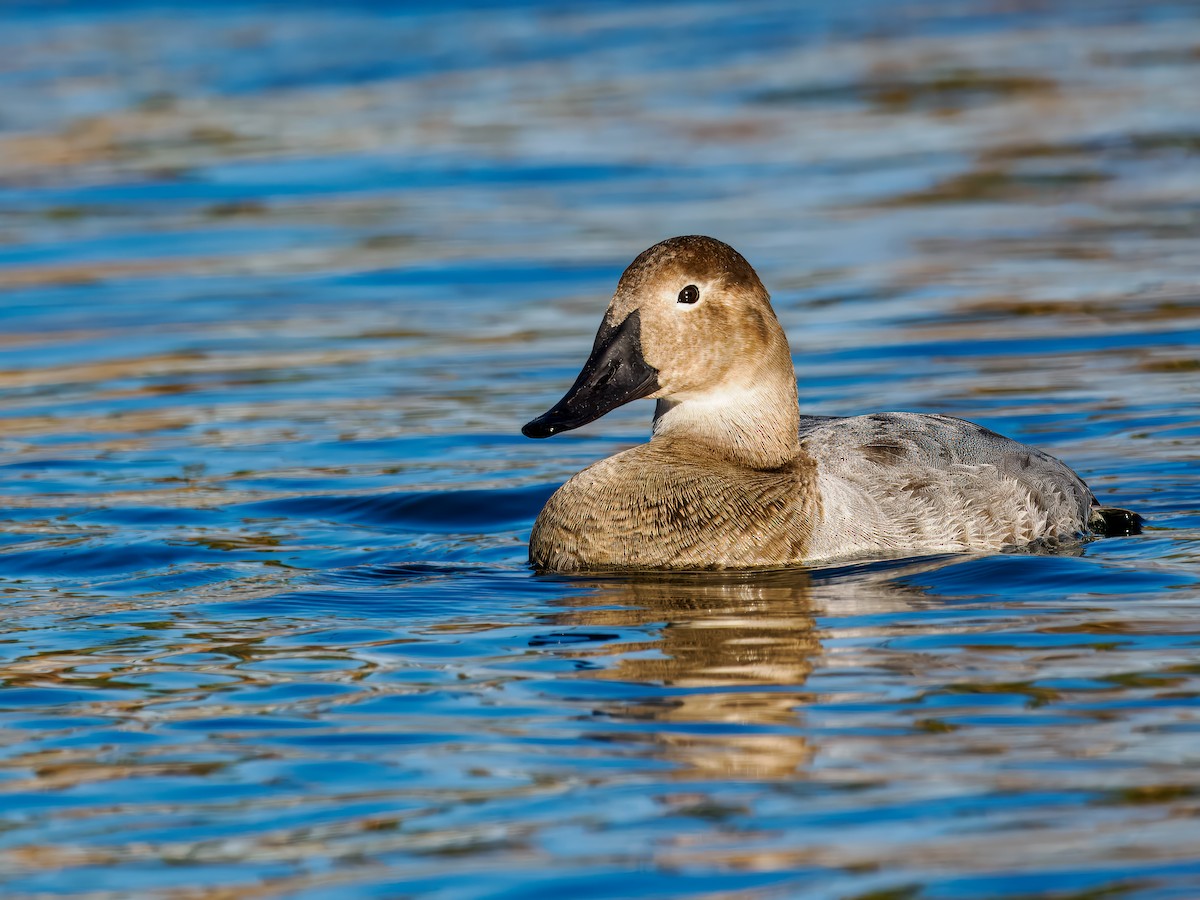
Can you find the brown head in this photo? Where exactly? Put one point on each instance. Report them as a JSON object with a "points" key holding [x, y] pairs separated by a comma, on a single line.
{"points": [[691, 325]]}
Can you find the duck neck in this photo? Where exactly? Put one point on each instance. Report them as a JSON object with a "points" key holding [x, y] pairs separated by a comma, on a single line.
{"points": [[755, 424]]}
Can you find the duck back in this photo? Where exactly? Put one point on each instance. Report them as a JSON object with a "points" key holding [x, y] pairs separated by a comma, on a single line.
{"points": [[933, 483]]}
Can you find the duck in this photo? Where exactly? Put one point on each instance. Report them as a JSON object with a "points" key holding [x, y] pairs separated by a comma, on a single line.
{"points": [[734, 477]]}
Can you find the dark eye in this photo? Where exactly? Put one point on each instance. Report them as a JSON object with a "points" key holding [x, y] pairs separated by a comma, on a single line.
{"points": [[689, 294]]}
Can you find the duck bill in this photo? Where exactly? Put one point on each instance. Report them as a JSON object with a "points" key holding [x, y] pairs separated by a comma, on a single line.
{"points": [[614, 374]]}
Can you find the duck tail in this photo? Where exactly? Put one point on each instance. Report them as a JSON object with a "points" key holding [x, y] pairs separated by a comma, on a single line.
{"points": [[1111, 521]]}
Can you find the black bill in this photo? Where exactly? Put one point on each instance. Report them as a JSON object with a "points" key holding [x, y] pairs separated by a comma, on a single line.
{"points": [[614, 374]]}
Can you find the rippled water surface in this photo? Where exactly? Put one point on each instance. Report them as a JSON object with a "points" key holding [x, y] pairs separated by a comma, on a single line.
{"points": [[278, 286]]}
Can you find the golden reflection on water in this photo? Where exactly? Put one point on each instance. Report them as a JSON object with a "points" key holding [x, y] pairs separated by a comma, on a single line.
{"points": [[752, 643], [740, 648]]}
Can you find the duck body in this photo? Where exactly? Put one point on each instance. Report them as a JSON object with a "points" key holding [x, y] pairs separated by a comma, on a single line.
{"points": [[664, 505], [734, 477]]}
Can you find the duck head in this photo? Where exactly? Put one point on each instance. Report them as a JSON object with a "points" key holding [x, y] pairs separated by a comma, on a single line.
{"points": [[690, 325]]}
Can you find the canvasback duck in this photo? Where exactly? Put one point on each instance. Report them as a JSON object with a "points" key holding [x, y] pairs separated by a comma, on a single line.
{"points": [[734, 477]]}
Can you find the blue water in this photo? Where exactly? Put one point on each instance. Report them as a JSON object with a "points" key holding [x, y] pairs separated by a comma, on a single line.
{"points": [[279, 284]]}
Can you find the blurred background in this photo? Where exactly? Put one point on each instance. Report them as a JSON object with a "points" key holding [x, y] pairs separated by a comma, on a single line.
{"points": [[279, 283]]}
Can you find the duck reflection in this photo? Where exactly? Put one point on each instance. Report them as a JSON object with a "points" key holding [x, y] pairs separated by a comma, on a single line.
{"points": [[733, 653], [739, 648]]}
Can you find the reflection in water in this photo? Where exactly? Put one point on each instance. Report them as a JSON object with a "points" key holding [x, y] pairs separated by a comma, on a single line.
{"points": [[741, 647]]}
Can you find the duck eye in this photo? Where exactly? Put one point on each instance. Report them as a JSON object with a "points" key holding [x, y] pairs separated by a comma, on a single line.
{"points": [[689, 294]]}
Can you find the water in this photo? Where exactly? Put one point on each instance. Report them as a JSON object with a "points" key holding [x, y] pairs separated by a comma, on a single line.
{"points": [[278, 287]]}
